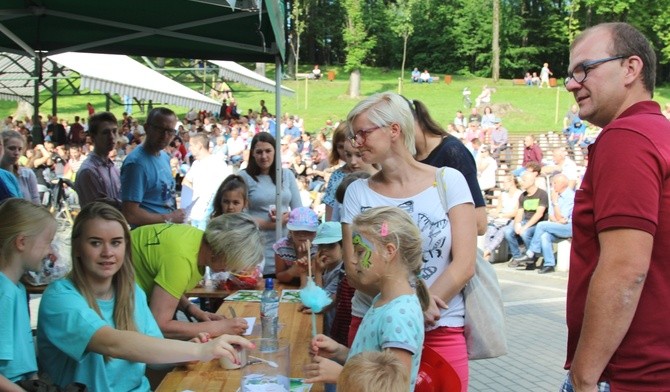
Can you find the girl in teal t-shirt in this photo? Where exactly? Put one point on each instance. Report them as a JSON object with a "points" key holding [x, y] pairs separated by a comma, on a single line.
{"points": [[95, 326], [26, 233]]}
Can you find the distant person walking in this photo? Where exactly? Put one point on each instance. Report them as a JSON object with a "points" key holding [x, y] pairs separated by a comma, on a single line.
{"points": [[544, 75]]}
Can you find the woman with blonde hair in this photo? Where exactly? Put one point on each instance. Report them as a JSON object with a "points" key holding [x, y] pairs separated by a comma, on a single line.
{"points": [[382, 127], [95, 327], [171, 259], [14, 144], [26, 233]]}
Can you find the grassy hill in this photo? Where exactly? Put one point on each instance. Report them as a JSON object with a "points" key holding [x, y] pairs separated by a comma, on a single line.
{"points": [[523, 109]]}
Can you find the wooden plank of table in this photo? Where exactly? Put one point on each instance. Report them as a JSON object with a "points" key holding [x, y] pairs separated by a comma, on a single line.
{"points": [[209, 376], [202, 292]]}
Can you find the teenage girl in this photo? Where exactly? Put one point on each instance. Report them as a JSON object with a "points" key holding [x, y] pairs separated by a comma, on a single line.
{"points": [[231, 197], [387, 257], [26, 233], [95, 326]]}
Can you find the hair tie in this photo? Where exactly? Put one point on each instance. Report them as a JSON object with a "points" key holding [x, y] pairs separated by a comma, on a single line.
{"points": [[384, 229]]}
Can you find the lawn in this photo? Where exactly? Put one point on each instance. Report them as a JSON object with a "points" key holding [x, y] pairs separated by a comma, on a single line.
{"points": [[523, 109]]}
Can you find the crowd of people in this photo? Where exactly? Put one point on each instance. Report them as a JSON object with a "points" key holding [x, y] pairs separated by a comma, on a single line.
{"points": [[168, 202]]}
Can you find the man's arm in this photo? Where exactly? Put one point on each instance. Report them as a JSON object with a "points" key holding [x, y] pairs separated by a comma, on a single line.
{"points": [[135, 215], [611, 302]]}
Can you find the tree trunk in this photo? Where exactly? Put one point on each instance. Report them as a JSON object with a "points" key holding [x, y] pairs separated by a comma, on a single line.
{"points": [[404, 56], [355, 83], [496, 41]]}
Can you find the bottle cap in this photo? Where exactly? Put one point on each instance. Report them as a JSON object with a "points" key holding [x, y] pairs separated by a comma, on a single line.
{"points": [[269, 284]]}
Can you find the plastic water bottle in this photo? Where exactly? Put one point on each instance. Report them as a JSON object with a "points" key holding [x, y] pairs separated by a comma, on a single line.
{"points": [[269, 316]]}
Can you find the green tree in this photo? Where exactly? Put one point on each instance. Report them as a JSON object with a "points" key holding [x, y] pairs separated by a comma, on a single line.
{"points": [[400, 18], [358, 44]]}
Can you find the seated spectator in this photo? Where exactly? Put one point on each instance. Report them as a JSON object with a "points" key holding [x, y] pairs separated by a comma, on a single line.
{"points": [[559, 226], [503, 215], [460, 119], [562, 164], [487, 118], [416, 74], [13, 146], [499, 139], [528, 80], [486, 169], [571, 117], [531, 153], [576, 134], [316, 72], [535, 80], [425, 77], [533, 204], [474, 117]]}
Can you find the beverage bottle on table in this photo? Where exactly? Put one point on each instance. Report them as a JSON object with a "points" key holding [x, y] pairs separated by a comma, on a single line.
{"points": [[269, 315]]}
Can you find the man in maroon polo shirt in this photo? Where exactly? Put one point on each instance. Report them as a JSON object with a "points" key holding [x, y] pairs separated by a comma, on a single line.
{"points": [[619, 284]]}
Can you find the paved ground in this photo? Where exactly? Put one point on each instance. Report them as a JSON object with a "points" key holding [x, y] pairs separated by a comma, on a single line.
{"points": [[535, 306]]}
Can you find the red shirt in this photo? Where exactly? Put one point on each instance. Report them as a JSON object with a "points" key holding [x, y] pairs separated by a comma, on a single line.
{"points": [[627, 185]]}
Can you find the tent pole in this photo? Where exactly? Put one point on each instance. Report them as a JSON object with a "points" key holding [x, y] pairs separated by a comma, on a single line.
{"points": [[37, 132], [54, 91], [278, 165]]}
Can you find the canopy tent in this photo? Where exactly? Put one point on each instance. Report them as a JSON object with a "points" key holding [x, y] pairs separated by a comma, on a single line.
{"points": [[242, 30], [105, 73], [238, 30], [232, 71]]}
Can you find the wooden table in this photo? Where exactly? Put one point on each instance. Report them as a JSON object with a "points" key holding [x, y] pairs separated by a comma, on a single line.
{"points": [[209, 376]]}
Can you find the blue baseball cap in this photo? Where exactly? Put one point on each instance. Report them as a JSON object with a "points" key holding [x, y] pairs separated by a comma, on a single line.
{"points": [[328, 233]]}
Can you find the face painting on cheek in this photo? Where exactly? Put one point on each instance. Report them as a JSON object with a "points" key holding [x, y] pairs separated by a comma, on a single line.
{"points": [[366, 258]]}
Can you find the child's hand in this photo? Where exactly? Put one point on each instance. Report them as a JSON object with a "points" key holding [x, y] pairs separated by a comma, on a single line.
{"points": [[306, 310], [301, 265], [322, 370], [320, 262], [432, 315], [324, 346], [223, 346]]}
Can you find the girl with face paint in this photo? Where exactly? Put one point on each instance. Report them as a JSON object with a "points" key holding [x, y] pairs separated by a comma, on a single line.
{"points": [[387, 257]]}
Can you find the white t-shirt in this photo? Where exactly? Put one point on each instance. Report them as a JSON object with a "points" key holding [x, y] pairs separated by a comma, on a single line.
{"points": [[426, 210], [206, 175]]}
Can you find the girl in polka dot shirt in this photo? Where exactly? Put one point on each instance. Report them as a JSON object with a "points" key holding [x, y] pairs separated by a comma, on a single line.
{"points": [[387, 257]]}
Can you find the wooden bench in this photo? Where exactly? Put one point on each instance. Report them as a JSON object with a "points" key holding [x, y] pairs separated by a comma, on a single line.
{"points": [[518, 82]]}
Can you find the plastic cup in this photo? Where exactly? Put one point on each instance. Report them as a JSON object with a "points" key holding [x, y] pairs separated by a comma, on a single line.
{"points": [[267, 370], [229, 365]]}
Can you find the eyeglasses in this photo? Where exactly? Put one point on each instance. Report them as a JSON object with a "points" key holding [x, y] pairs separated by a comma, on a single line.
{"points": [[581, 71], [164, 130], [359, 137]]}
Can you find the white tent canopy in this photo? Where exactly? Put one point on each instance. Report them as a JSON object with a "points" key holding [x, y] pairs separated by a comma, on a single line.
{"points": [[121, 75], [232, 71], [105, 73]]}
